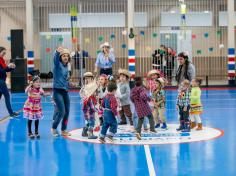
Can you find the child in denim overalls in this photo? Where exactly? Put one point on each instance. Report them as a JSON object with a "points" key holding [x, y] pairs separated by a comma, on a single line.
{"points": [[110, 112]]}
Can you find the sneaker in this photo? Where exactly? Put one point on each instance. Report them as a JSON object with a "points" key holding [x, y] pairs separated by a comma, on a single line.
{"points": [[138, 136], [164, 126], [31, 136], [153, 131], [37, 136], [123, 123], [85, 132], [14, 114], [54, 132], [157, 125], [91, 135], [110, 138], [102, 140], [185, 130], [65, 133], [146, 129], [180, 128]]}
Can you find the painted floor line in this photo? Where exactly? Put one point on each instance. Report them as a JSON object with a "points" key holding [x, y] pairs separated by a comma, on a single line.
{"points": [[149, 161]]}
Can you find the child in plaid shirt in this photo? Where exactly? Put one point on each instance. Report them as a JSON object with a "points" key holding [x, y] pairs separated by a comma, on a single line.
{"points": [[159, 104], [183, 105], [140, 99]]}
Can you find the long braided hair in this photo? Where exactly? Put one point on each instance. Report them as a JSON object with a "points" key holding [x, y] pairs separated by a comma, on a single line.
{"points": [[180, 69]]}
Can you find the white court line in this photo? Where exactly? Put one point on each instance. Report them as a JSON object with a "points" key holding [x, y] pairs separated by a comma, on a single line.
{"points": [[149, 161]]}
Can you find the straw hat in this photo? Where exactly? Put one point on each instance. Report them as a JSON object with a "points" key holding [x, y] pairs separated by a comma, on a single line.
{"points": [[65, 51], [105, 44], [124, 72], [88, 74], [153, 72], [161, 80]]}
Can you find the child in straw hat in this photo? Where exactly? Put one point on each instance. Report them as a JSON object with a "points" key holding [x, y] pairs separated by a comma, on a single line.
{"points": [[89, 102], [123, 93], [150, 81], [159, 104]]}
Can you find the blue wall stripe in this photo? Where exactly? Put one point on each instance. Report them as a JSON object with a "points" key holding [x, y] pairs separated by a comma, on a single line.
{"points": [[131, 68], [131, 52], [231, 51], [30, 54], [231, 67], [30, 69]]}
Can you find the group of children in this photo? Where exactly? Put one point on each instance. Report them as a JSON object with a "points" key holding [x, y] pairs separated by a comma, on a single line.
{"points": [[112, 99]]}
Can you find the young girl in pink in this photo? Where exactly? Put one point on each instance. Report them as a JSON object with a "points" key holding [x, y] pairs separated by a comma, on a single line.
{"points": [[32, 107]]}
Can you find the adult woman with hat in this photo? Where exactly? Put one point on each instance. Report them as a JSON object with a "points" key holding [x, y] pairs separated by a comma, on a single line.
{"points": [[105, 60], [60, 91], [186, 69]]}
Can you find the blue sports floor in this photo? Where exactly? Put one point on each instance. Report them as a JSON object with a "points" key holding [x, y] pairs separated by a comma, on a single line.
{"points": [[64, 157]]}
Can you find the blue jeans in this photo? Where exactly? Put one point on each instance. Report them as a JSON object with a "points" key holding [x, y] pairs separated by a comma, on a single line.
{"points": [[184, 115], [61, 109], [109, 122], [4, 91]]}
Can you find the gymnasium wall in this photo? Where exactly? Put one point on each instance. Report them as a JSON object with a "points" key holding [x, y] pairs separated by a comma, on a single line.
{"points": [[207, 51]]}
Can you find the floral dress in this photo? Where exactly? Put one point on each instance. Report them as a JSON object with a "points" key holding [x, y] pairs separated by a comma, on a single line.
{"points": [[32, 107]]}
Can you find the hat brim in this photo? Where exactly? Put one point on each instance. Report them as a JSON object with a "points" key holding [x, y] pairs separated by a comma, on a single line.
{"points": [[102, 46], [88, 74], [152, 72], [124, 72]]}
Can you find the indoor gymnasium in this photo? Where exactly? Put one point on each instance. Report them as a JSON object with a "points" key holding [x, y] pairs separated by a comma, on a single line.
{"points": [[117, 87]]}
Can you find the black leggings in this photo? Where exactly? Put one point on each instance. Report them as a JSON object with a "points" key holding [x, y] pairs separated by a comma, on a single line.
{"points": [[36, 122]]}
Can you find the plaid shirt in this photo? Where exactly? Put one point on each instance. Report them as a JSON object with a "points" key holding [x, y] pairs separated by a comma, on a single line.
{"points": [[160, 96], [89, 108], [183, 98], [140, 100], [113, 103]]}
